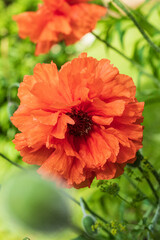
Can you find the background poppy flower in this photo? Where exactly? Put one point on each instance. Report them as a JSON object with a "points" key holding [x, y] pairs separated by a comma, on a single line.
{"points": [[80, 122], [54, 21]]}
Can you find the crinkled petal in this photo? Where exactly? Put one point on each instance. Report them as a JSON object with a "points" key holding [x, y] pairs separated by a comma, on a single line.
{"points": [[83, 20], [60, 129], [108, 172], [94, 150]]}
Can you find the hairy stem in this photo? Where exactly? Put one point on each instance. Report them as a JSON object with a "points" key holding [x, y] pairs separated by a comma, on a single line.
{"points": [[129, 14], [153, 170], [89, 210], [149, 183], [123, 199], [138, 66], [154, 221], [134, 185], [86, 207], [137, 188]]}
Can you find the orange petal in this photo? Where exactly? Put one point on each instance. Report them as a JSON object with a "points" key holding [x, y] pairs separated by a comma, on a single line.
{"points": [[83, 18], [94, 150], [37, 157], [47, 118], [106, 71], [60, 129], [132, 131], [123, 140], [57, 163], [108, 173], [43, 47], [76, 175], [126, 153], [133, 112], [114, 108], [102, 120], [113, 144]]}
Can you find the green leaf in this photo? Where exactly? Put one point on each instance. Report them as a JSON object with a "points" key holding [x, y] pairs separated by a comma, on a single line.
{"points": [[121, 32], [138, 52], [148, 27]]}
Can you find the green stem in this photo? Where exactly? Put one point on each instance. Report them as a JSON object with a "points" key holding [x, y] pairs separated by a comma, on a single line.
{"points": [[129, 14], [123, 199], [149, 183], [13, 163], [134, 185], [83, 207], [86, 207], [138, 66], [137, 188]]}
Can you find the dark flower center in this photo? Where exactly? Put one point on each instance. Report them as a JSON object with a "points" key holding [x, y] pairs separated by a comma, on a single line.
{"points": [[83, 123]]}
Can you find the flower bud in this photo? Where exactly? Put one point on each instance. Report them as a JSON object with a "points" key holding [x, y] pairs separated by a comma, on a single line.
{"points": [[33, 203]]}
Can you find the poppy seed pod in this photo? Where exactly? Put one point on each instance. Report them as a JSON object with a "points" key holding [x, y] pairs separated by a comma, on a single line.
{"points": [[88, 222], [30, 202]]}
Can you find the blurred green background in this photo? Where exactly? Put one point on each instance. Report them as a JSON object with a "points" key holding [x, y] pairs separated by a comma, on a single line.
{"points": [[17, 59]]}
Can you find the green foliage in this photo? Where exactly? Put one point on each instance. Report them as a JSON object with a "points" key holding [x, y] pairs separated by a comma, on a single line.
{"points": [[124, 221]]}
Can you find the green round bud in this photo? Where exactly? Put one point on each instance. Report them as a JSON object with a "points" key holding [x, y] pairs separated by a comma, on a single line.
{"points": [[34, 203], [88, 222]]}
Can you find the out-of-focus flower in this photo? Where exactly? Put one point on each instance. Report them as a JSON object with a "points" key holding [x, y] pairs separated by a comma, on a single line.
{"points": [[54, 21], [133, 4], [80, 122]]}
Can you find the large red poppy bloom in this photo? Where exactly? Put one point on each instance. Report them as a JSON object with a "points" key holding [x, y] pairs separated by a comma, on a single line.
{"points": [[55, 21], [80, 122]]}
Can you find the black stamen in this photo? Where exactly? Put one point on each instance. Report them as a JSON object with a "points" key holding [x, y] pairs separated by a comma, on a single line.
{"points": [[83, 123]]}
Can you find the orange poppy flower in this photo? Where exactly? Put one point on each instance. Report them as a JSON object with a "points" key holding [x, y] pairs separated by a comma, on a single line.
{"points": [[79, 123], [54, 21]]}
